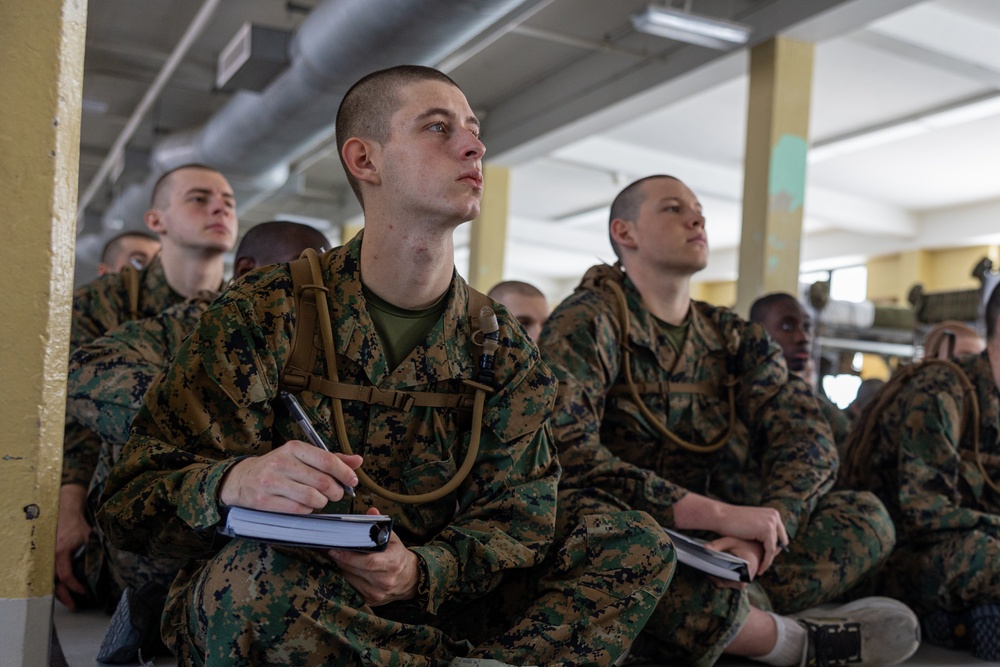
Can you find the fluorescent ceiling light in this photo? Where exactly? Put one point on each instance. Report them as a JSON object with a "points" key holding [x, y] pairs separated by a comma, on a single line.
{"points": [[691, 28]]}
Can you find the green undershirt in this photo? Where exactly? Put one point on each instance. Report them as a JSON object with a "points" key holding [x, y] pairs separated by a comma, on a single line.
{"points": [[675, 333], [399, 329]]}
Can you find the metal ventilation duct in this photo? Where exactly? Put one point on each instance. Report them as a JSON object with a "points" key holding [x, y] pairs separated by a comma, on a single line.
{"points": [[255, 137]]}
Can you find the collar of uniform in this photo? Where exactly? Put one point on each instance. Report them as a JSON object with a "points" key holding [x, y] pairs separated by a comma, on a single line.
{"points": [[356, 338], [645, 331]]}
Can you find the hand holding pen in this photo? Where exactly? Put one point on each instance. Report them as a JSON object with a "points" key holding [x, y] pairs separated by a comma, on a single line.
{"points": [[300, 417]]}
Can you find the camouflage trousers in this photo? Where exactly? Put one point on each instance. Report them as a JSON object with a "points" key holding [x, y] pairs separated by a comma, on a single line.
{"points": [[257, 604], [107, 570], [847, 535], [958, 570]]}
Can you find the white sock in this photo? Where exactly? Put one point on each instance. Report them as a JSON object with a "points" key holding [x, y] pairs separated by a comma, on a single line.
{"points": [[787, 651]]}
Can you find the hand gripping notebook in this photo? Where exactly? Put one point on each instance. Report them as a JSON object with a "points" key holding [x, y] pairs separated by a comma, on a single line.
{"points": [[359, 532], [693, 552]]}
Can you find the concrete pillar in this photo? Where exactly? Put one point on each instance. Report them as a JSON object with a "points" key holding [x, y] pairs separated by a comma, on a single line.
{"points": [[349, 230], [41, 48], [774, 169], [488, 238]]}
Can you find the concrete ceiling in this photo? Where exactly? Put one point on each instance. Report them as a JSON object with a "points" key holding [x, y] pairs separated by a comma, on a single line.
{"points": [[578, 104]]}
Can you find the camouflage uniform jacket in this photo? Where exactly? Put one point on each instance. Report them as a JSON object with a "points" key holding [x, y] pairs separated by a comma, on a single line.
{"points": [[109, 376], [779, 455], [840, 423], [98, 307], [922, 459], [213, 407]]}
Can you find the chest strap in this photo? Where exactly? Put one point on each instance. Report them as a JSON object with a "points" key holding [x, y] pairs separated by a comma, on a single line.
{"points": [[390, 398], [610, 278], [311, 296], [666, 388]]}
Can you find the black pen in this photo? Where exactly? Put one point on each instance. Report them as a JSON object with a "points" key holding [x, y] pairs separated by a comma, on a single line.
{"points": [[312, 434]]}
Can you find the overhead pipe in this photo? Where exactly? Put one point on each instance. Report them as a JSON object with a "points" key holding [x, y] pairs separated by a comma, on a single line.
{"points": [[254, 138], [190, 36]]}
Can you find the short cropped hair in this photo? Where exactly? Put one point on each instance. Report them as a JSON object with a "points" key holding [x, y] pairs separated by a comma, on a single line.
{"points": [[626, 204], [368, 107], [275, 241], [760, 307], [514, 287], [159, 198], [111, 247]]}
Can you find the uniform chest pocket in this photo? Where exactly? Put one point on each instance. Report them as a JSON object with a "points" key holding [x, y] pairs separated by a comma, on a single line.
{"points": [[427, 519]]}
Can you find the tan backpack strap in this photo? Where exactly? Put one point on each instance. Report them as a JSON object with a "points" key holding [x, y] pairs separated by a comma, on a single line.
{"points": [[130, 276], [390, 398], [339, 423], [610, 278], [302, 358], [667, 388]]}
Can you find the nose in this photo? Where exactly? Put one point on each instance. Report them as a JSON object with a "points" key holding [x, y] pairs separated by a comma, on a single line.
{"points": [[474, 148], [220, 204]]}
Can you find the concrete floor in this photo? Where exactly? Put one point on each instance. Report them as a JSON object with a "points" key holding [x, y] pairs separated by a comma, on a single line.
{"points": [[80, 636]]}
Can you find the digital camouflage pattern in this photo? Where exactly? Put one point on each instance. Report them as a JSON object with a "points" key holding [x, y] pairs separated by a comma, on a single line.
{"points": [[107, 380], [98, 307], [837, 419], [779, 455], [237, 599], [923, 466]]}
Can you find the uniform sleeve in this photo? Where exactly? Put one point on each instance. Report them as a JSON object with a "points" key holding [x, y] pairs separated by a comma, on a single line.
{"points": [[800, 460], [94, 312], [205, 413], [108, 378], [580, 345], [930, 463]]}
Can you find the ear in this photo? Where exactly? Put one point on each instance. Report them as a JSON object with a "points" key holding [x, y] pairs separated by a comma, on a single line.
{"points": [[103, 269], [358, 155], [154, 221], [623, 233], [243, 265]]}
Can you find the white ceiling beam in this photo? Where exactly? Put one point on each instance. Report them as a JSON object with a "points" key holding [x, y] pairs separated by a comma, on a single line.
{"points": [[839, 210], [599, 89]]}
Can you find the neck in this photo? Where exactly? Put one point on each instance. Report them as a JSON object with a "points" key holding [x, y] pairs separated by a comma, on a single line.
{"points": [[189, 272], [666, 296], [405, 265]]}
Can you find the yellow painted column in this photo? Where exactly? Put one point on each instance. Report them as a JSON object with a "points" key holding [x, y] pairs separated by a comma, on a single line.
{"points": [[41, 48], [488, 238], [774, 180], [349, 230]]}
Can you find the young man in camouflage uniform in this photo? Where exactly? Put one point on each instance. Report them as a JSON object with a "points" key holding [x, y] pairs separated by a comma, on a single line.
{"points": [[920, 447], [107, 380], [131, 248], [788, 323], [525, 302], [207, 438], [194, 214], [684, 410]]}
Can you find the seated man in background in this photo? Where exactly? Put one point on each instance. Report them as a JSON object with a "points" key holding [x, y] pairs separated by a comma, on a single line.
{"points": [[193, 211], [685, 411], [132, 248], [471, 493], [107, 380], [788, 323], [955, 337], [928, 445], [525, 302]]}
